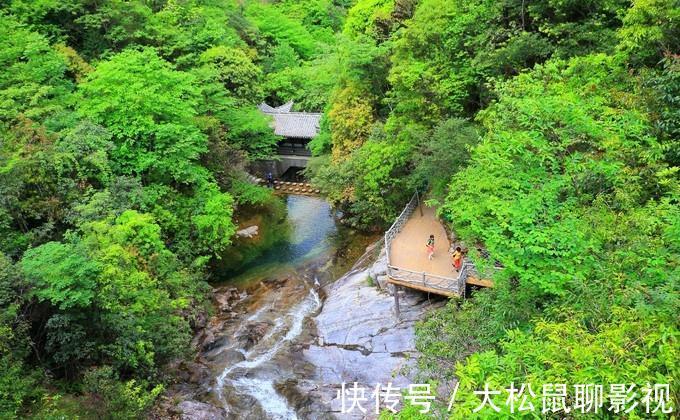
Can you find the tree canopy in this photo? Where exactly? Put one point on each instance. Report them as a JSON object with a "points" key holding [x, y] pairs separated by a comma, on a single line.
{"points": [[546, 133]]}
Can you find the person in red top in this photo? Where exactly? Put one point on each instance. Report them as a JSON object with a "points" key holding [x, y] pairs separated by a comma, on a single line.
{"points": [[457, 258]]}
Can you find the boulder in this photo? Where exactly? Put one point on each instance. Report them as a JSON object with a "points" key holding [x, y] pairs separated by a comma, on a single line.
{"points": [[195, 410], [382, 281], [379, 268], [248, 232], [253, 332]]}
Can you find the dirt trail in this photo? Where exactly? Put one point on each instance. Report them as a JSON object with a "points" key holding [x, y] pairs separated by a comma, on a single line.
{"points": [[408, 248]]}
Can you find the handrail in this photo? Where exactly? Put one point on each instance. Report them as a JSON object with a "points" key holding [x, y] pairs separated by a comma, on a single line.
{"points": [[398, 224], [429, 280], [432, 281]]}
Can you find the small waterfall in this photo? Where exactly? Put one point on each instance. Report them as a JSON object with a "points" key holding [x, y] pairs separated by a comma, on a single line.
{"points": [[262, 389]]}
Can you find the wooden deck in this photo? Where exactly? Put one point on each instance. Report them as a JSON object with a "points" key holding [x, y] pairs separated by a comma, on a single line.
{"points": [[475, 281], [408, 263]]}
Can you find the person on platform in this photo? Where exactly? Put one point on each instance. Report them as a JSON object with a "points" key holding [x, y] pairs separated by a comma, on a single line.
{"points": [[457, 259], [430, 247]]}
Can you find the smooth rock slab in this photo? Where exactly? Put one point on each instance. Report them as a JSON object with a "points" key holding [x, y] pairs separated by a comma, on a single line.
{"points": [[361, 340], [195, 410]]}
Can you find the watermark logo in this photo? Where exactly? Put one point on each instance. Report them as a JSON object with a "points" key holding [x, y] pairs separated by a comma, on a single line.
{"points": [[518, 398]]}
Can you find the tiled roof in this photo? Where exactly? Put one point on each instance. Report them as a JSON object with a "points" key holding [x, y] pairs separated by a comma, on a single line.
{"points": [[301, 125], [283, 108], [266, 108]]}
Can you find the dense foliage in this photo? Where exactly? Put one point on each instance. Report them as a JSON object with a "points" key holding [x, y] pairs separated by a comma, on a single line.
{"points": [[126, 127], [546, 132], [547, 135]]}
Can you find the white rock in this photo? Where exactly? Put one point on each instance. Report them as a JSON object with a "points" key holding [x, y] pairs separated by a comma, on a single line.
{"points": [[248, 232]]}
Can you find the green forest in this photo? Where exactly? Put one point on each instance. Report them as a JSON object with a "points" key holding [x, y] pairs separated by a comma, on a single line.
{"points": [[547, 134]]}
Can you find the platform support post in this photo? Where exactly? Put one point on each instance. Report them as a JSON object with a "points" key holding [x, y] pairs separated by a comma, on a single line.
{"points": [[396, 301]]}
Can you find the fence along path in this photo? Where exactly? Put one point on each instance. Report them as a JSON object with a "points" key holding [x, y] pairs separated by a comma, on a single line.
{"points": [[407, 262]]}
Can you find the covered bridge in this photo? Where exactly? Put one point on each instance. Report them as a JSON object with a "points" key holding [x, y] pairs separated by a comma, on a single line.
{"points": [[297, 129]]}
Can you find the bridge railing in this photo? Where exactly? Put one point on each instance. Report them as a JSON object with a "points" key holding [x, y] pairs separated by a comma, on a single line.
{"points": [[466, 271], [399, 224], [431, 281]]}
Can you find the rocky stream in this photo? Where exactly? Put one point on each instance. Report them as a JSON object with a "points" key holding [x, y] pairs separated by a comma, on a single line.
{"points": [[302, 319]]}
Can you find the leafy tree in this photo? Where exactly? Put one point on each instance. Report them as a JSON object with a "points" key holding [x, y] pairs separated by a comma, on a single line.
{"points": [[237, 132], [373, 177], [149, 108], [282, 56], [443, 153], [350, 120], [182, 31], [36, 185], [663, 98], [112, 26], [19, 384], [650, 29], [236, 71], [318, 16], [32, 82], [370, 17], [115, 292], [61, 274], [213, 218], [277, 28], [117, 399], [77, 67], [628, 350], [87, 145]]}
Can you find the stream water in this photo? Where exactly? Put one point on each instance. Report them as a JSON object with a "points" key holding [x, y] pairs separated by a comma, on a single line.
{"points": [[294, 324], [251, 356]]}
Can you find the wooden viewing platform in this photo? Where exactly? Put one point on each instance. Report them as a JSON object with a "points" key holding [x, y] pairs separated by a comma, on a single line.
{"points": [[407, 262]]}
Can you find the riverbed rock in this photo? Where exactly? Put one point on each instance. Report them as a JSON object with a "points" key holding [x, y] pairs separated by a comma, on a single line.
{"points": [[360, 339], [226, 298], [200, 321], [193, 372], [382, 281], [379, 268], [195, 410], [252, 333], [248, 232], [210, 342], [275, 283]]}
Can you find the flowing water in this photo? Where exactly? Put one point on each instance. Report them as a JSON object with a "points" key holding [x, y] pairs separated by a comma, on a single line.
{"points": [[253, 345]]}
